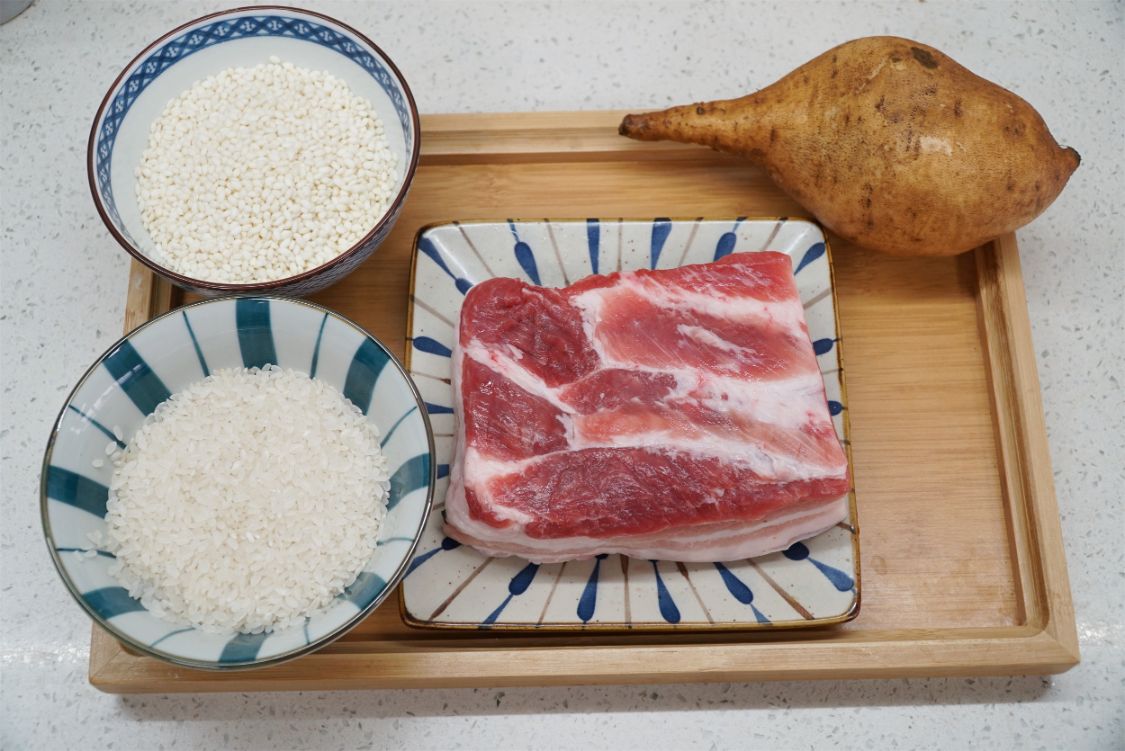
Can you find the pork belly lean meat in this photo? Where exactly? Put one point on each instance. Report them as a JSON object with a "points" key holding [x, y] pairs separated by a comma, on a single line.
{"points": [[675, 414]]}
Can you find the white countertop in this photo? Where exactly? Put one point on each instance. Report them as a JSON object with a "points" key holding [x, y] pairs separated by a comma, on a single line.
{"points": [[63, 290]]}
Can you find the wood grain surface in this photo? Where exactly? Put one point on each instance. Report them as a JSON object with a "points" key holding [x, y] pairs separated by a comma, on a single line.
{"points": [[962, 558]]}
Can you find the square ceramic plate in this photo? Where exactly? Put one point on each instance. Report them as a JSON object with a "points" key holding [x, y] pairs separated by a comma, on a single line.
{"points": [[814, 582]]}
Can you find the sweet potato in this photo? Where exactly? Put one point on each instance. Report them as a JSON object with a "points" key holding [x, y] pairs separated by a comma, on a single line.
{"points": [[890, 144]]}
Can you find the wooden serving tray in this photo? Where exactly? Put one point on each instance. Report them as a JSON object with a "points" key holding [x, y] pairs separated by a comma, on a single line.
{"points": [[962, 557]]}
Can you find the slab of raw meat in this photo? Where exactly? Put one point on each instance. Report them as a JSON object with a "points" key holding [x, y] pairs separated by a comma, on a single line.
{"points": [[676, 414]]}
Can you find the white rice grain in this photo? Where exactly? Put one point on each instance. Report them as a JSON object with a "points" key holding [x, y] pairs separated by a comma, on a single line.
{"points": [[246, 501], [264, 172]]}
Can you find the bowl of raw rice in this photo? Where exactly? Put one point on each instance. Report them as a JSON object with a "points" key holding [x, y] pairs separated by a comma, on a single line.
{"points": [[238, 482], [255, 150]]}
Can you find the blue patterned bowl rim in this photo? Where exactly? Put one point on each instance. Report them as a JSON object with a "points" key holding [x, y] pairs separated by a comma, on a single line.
{"points": [[392, 582], [159, 48]]}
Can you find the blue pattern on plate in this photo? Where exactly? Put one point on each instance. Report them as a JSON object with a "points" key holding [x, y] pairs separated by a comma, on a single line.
{"points": [[735, 586], [242, 648], [391, 432], [366, 587], [726, 243], [316, 347], [430, 250], [105, 431], [661, 228], [524, 255], [195, 343], [438, 409], [389, 540], [588, 602], [834, 407], [447, 543], [410, 476], [217, 32], [172, 633], [740, 591], [76, 490], [255, 333], [823, 346], [839, 579], [516, 587], [594, 241], [110, 602], [432, 346], [798, 551], [814, 252], [143, 387], [366, 366], [667, 605]]}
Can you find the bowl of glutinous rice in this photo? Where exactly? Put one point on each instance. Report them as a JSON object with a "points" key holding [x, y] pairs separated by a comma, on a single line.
{"points": [[254, 151], [238, 482]]}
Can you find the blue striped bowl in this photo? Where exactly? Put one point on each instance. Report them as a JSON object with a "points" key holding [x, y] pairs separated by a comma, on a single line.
{"points": [[203, 47], [168, 354]]}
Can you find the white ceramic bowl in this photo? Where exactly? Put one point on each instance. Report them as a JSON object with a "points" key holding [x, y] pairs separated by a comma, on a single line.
{"points": [[165, 356], [242, 37]]}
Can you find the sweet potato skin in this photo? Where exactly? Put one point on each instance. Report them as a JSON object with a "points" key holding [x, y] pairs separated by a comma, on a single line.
{"points": [[890, 144]]}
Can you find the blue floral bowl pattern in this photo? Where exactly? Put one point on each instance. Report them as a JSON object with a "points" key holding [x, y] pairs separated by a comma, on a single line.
{"points": [[168, 354], [814, 582], [206, 46]]}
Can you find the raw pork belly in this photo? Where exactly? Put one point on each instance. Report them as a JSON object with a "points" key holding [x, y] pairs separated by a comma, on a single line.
{"points": [[676, 415]]}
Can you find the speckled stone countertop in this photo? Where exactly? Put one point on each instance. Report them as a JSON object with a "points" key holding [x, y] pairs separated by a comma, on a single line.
{"points": [[63, 290]]}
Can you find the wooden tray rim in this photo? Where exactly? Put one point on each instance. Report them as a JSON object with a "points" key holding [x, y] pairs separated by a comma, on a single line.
{"points": [[1046, 642]]}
